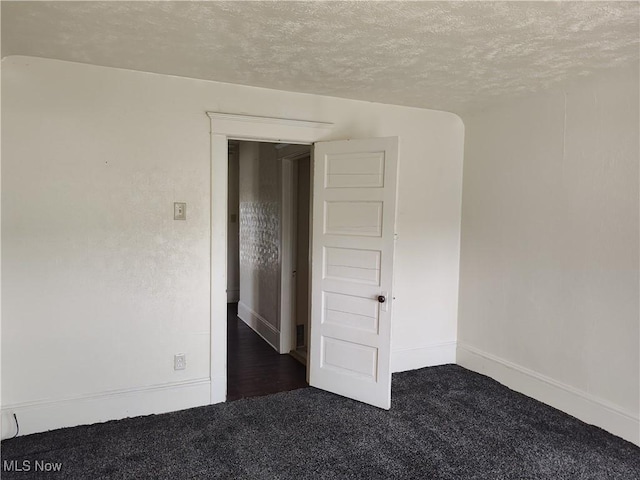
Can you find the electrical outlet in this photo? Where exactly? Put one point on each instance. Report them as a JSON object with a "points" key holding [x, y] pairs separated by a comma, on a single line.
{"points": [[179, 211], [179, 361]]}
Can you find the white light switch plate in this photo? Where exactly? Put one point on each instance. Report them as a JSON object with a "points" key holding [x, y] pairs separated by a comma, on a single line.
{"points": [[179, 211]]}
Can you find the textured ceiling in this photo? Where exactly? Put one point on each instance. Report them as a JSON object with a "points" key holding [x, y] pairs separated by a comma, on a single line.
{"points": [[451, 56]]}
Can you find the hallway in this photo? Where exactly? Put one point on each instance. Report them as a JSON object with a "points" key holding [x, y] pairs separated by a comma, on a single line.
{"points": [[253, 367]]}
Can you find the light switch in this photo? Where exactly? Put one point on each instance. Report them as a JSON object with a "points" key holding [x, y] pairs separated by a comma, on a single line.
{"points": [[179, 211]]}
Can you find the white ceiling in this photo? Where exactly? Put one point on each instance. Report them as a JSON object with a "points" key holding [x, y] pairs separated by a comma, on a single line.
{"points": [[451, 56]]}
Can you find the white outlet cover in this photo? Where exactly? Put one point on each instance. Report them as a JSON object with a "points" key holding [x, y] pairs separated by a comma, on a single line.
{"points": [[179, 361]]}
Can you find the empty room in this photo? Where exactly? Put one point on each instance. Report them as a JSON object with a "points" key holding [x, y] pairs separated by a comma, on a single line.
{"points": [[320, 239]]}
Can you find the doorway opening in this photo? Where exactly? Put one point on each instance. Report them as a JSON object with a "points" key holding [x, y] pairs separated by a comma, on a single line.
{"points": [[268, 267], [354, 198]]}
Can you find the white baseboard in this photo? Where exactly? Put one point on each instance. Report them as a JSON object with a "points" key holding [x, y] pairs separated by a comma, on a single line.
{"points": [[36, 417], [575, 402], [429, 356], [233, 296], [259, 325], [219, 388]]}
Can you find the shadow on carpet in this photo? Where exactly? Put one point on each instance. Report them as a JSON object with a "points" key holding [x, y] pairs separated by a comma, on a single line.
{"points": [[445, 423]]}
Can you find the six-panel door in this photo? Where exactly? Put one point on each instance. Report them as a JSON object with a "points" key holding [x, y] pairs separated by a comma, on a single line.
{"points": [[354, 203]]}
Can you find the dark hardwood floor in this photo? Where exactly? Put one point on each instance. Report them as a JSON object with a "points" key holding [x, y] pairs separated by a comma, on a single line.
{"points": [[253, 367]]}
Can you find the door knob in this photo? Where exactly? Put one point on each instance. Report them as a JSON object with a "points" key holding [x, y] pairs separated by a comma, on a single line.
{"points": [[382, 298]]}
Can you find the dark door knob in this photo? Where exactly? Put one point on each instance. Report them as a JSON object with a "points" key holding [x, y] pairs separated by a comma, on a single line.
{"points": [[382, 298]]}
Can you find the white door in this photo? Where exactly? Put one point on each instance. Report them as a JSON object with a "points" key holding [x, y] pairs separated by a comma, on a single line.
{"points": [[354, 203]]}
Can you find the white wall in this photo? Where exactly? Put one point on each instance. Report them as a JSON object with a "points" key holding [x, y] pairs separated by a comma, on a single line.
{"points": [[260, 239], [549, 265], [101, 286]]}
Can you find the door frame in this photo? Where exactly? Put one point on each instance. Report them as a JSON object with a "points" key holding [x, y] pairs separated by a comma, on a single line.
{"points": [[288, 257], [225, 127]]}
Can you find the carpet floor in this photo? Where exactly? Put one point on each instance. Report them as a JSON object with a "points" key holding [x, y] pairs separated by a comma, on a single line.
{"points": [[445, 423]]}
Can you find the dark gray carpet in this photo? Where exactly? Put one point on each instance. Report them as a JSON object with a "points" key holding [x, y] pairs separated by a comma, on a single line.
{"points": [[445, 423]]}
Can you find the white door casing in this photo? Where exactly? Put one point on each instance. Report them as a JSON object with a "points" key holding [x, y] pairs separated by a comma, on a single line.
{"points": [[225, 126], [354, 209]]}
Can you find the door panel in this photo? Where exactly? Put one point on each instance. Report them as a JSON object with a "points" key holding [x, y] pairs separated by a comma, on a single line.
{"points": [[354, 204], [351, 265], [353, 218], [360, 170]]}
